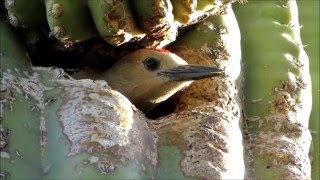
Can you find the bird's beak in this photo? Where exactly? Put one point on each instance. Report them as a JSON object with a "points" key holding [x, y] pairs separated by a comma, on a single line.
{"points": [[190, 72]]}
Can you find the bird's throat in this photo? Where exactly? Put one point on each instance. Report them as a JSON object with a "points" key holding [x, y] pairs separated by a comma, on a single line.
{"points": [[147, 99]]}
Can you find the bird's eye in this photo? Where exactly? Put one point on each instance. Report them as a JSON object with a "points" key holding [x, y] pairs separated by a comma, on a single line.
{"points": [[151, 64]]}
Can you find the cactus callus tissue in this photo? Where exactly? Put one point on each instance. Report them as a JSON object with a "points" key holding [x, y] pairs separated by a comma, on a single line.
{"points": [[251, 122]]}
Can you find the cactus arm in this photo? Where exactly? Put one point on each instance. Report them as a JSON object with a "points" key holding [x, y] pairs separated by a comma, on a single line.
{"points": [[277, 90], [70, 20], [309, 20]]}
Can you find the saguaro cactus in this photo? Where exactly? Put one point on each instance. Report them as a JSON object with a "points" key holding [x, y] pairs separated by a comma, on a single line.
{"points": [[53, 126]]}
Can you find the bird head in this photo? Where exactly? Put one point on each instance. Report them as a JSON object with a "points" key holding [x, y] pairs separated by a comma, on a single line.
{"points": [[149, 76]]}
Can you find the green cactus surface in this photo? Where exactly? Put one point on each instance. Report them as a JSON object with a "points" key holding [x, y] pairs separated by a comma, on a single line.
{"points": [[277, 90]]}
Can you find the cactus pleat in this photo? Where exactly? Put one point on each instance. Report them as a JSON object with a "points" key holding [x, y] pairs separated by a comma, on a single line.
{"points": [[26, 13], [70, 20], [114, 21], [309, 20], [277, 90]]}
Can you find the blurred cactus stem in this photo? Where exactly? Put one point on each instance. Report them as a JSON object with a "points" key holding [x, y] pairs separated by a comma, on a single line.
{"points": [[277, 91], [309, 20]]}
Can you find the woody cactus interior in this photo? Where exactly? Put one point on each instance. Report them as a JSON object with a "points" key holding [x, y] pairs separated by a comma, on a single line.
{"points": [[259, 120]]}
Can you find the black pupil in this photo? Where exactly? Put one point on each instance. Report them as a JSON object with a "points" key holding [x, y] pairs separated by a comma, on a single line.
{"points": [[151, 64]]}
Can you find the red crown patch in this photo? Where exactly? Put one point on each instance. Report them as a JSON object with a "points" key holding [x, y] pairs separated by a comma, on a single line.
{"points": [[159, 50]]}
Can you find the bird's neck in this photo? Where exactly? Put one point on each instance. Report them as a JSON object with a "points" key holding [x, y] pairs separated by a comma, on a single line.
{"points": [[144, 95]]}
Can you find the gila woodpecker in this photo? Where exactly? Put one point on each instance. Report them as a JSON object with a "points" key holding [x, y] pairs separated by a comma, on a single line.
{"points": [[148, 77]]}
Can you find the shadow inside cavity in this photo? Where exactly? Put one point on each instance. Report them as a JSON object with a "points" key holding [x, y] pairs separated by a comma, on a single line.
{"points": [[163, 109]]}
